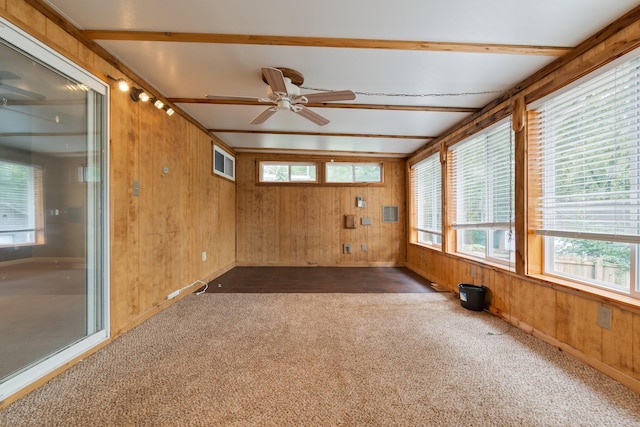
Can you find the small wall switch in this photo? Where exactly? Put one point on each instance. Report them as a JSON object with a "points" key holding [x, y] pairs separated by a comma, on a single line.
{"points": [[165, 170], [204, 255], [604, 317], [363, 247], [346, 248], [136, 189]]}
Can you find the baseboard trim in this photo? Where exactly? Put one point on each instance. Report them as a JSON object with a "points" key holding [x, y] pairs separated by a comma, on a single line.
{"points": [[621, 377], [626, 380], [132, 323], [368, 264]]}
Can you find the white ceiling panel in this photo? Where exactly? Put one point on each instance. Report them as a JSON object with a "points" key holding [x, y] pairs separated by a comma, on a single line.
{"points": [[543, 22], [196, 70], [323, 144], [415, 123], [392, 82]]}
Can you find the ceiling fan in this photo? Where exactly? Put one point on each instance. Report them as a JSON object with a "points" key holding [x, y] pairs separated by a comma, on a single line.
{"points": [[284, 92]]}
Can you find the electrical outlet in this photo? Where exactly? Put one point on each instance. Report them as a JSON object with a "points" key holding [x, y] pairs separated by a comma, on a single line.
{"points": [[204, 255], [604, 317]]}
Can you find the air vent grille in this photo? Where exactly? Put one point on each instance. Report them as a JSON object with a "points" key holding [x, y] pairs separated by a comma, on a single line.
{"points": [[390, 214]]}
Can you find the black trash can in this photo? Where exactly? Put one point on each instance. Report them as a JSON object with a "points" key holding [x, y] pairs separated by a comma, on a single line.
{"points": [[472, 296]]}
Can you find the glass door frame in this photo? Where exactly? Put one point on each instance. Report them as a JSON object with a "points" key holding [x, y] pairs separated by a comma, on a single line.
{"points": [[21, 40]]}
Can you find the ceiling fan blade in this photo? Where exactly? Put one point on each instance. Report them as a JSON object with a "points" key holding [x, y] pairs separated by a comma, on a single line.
{"points": [[339, 95], [275, 78], [310, 115], [264, 116]]}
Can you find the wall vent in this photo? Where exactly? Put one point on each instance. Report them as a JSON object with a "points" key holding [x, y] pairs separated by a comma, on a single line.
{"points": [[390, 214]]}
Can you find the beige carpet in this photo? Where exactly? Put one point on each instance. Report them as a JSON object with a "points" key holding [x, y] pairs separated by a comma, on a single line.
{"points": [[326, 360]]}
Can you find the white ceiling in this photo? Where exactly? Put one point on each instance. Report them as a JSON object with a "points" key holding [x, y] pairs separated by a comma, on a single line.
{"points": [[194, 70]]}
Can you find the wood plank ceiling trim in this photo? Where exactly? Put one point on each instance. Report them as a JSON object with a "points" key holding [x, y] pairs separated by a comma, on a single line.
{"points": [[386, 107], [335, 42], [352, 135]]}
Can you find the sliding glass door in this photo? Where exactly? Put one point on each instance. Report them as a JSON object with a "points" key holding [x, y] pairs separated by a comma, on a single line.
{"points": [[53, 158]]}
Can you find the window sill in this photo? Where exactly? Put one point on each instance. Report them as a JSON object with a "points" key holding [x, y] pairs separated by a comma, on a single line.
{"points": [[507, 267], [427, 246], [592, 292]]}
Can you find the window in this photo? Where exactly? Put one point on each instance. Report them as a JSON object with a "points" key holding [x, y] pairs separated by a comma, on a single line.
{"points": [[337, 172], [426, 187], [288, 172], [586, 146], [224, 164], [54, 187], [482, 173], [20, 203]]}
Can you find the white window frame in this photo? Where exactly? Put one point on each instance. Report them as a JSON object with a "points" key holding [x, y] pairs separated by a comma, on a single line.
{"points": [[354, 166], [46, 55], [550, 232], [290, 178], [427, 175], [489, 225], [229, 164]]}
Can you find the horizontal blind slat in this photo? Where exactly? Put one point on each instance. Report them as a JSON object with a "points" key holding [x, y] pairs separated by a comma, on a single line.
{"points": [[589, 157]]}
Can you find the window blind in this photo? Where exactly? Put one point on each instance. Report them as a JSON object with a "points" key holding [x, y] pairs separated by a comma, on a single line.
{"points": [[21, 194], [587, 158], [426, 186], [482, 174]]}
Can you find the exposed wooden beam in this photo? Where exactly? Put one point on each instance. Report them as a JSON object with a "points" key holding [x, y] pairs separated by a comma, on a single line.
{"points": [[387, 107], [160, 36], [351, 135], [310, 154]]}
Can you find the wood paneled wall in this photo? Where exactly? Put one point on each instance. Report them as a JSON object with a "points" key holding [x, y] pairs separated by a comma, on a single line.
{"points": [[300, 224], [564, 316], [158, 237]]}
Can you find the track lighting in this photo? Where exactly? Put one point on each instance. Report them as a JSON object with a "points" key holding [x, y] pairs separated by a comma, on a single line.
{"points": [[123, 85], [120, 83], [157, 103], [138, 94]]}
